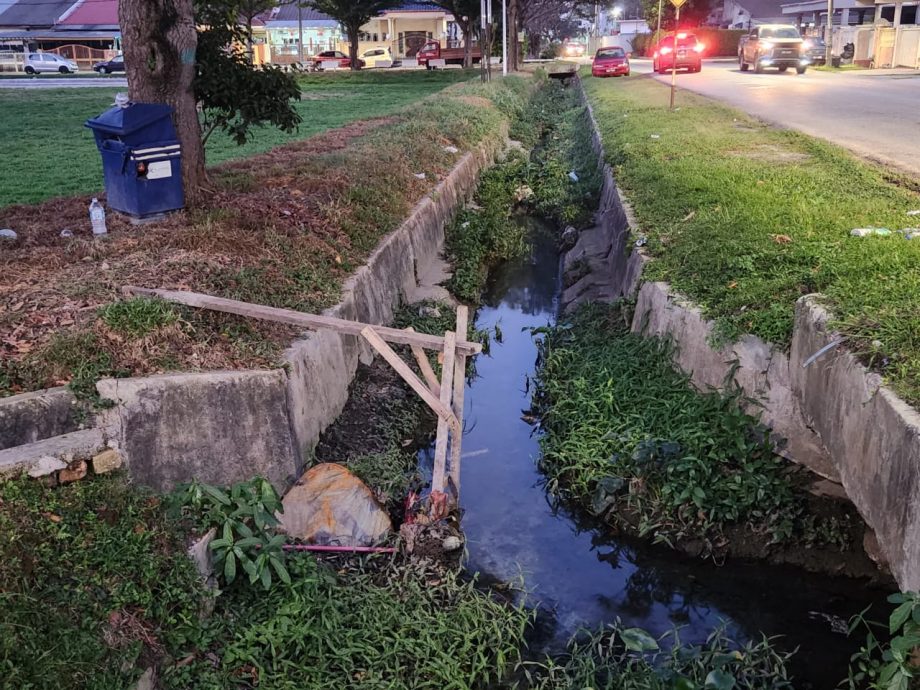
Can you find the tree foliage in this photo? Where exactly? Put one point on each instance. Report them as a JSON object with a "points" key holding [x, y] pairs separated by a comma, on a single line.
{"points": [[234, 94], [352, 15], [692, 13]]}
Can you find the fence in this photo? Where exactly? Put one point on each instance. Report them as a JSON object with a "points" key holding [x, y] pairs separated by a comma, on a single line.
{"points": [[11, 61], [84, 56]]}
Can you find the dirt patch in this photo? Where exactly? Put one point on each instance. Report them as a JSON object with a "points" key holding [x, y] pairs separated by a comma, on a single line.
{"points": [[285, 228], [770, 153]]}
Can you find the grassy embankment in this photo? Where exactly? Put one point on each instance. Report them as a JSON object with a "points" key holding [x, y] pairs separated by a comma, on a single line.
{"points": [[744, 219], [46, 152], [285, 229]]}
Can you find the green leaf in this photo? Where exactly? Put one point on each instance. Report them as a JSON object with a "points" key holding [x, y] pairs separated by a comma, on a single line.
{"points": [[283, 574], [683, 683], [899, 617], [248, 542], [216, 494], [719, 680], [230, 568], [219, 544], [266, 578], [637, 640]]}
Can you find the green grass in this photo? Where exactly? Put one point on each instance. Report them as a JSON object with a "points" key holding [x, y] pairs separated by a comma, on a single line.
{"points": [[95, 585], [629, 438], [45, 151], [88, 573], [744, 219]]}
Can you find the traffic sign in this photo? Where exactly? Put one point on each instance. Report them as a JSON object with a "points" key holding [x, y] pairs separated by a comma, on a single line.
{"points": [[678, 3]]}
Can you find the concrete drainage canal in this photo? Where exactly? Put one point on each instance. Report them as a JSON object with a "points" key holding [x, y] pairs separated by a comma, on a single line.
{"points": [[571, 567]]}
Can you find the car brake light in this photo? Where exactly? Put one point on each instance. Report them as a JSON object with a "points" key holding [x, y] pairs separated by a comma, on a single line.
{"points": [[665, 50], [681, 35], [699, 47]]}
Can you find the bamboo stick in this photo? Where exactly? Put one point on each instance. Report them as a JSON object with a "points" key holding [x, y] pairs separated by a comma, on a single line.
{"points": [[459, 391], [438, 477]]}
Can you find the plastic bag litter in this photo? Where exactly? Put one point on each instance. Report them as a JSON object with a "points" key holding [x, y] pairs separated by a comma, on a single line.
{"points": [[8, 234], [451, 149], [573, 176], [420, 176], [865, 232]]}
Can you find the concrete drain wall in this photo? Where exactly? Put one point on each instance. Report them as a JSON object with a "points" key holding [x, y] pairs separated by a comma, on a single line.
{"points": [[831, 415]]}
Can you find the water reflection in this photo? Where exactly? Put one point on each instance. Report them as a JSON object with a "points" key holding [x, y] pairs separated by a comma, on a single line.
{"points": [[579, 573]]}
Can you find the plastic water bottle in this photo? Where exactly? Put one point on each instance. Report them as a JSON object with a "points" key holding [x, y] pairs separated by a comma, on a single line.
{"points": [[97, 217]]}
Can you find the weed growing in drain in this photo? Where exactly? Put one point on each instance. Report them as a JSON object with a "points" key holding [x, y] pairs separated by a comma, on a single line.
{"points": [[891, 664], [559, 181], [93, 580], [631, 659], [628, 437]]}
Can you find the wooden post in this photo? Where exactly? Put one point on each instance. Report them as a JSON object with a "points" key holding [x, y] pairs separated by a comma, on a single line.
{"points": [[445, 414], [425, 367], [299, 318], [459, 390], [439, 474]]}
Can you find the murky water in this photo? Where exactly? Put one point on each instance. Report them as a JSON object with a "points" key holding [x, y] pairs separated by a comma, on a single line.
{"points": [[575, 572]]}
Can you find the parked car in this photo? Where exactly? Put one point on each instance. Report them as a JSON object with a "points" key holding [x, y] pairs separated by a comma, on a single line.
{"points": [[116, 64], [610, 62], [372, 55], [682, 50], [815, 51], [773, 45], [432, 50], [48, 62], [330, 55]]}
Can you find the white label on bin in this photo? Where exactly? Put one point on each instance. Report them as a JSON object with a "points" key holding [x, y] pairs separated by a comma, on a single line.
{"points": [[159, 170]]}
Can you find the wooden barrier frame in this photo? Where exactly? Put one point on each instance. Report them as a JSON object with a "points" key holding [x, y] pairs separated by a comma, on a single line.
{"points": [[444, 397]]}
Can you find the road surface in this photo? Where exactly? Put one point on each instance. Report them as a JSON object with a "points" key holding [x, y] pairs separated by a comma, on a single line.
{"points": [[29, 83], [874, 113]]}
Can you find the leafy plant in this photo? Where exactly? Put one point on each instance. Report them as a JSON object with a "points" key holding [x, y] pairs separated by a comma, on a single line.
{"points": [[244, 518], [891, 664], [618, 658]]}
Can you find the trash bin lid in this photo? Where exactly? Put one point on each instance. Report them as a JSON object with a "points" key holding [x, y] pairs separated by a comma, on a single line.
{"points": [[122, 121]]}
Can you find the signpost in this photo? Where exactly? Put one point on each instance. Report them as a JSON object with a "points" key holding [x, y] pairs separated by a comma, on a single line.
{"points": [[677, 4]]}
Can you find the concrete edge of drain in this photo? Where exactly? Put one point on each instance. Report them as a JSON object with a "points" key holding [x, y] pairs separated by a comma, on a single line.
{"points": [[836, 416]]}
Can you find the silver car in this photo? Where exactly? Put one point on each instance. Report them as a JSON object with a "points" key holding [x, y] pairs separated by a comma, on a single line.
{"points": [[48, 62]]}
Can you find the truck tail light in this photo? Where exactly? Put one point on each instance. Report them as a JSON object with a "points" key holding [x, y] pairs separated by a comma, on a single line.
{"points": [[699, 48], [665, 50]]}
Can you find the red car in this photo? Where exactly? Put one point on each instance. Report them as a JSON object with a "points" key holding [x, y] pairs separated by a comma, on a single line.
{"points": [[687, 53], [610, 62], [330, 55]]}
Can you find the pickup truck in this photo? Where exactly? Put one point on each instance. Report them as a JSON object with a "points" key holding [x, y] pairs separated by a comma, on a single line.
{"points": [[773, 45], [432, 50]]}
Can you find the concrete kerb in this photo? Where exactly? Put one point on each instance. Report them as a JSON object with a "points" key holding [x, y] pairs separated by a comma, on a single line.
{"points": [[226, 426], [833, 415], [30, 417]]}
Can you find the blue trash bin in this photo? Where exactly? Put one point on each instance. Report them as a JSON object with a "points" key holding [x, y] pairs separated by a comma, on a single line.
{"points": [[141, 158]]}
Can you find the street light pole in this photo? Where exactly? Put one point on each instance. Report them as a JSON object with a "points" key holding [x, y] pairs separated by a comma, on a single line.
{"points": [[658, 30], [504, 38]]}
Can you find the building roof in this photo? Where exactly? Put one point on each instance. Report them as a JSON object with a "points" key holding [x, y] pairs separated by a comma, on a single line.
{"points": [[415, 7], [91, 13], [35, 13], [288, 13]]}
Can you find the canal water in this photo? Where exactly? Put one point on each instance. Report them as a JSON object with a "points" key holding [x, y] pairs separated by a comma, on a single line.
{"points": [[574, 571]]}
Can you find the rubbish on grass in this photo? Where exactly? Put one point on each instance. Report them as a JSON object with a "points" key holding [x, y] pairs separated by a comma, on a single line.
{"points": [[97, 217], [914, 213], [338, 549], [911, 233], [865, 232], [8, 234], [573, 176], [66, 232], [781, 239], [641, 241], [655, 136], [523, 192], [451, 543], [420, 176], [451, 149]]}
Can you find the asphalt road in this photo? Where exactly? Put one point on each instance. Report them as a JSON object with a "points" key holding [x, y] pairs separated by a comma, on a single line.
{"points": [[43, 82], [874, 113]]}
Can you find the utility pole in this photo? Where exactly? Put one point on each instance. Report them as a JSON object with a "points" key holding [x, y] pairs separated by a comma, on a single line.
{"points": [[674, 57], [829, 33], [504, 38], [658, 30], [300, 34]]}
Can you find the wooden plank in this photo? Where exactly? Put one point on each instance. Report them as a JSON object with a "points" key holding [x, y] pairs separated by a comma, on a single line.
{"points": [[443, 411], [463, 316], [425, 367], [439, 474], [298, 318]]}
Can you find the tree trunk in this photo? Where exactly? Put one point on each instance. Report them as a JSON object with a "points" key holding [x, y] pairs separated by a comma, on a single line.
{"points": [[466, 29], [513, 47], [159, 42], [354, 32]]}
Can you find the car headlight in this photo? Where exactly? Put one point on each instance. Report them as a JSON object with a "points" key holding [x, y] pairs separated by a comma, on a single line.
{"points": [[767, 45]]}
